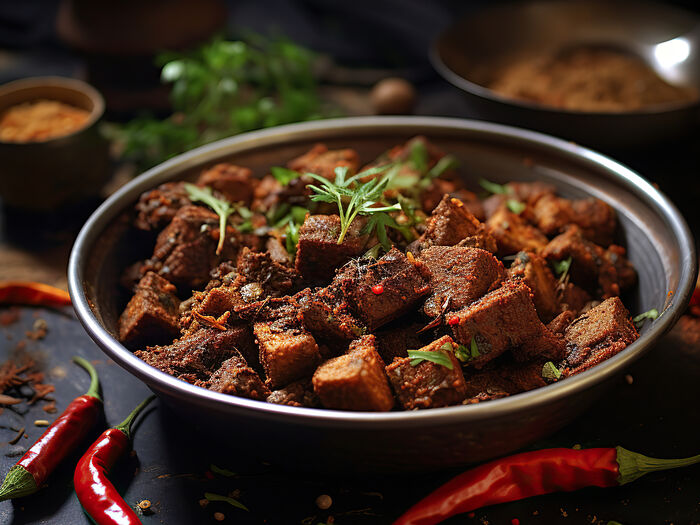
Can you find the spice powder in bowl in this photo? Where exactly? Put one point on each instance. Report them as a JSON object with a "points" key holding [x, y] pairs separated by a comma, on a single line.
{"points": [[41, 120]]}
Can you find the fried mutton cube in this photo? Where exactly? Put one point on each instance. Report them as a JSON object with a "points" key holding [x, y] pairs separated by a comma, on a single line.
{"points": [[234, 183], [427, 384], [236, 378], [597, 335], [505, 319], [354, 381], [151, 317]]}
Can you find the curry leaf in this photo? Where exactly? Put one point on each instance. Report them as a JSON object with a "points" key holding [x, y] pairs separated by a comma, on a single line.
{"points": [[439, 358], [222, 208]]}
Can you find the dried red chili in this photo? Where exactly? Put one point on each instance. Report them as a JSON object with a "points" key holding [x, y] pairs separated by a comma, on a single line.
{"points": [[59, 440], [531, 474], [32, 293], [96, 494], [378, 289], [453, 320]]}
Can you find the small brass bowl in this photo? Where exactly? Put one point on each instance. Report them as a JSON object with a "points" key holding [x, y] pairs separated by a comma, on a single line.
{"points": [[43, 175]]}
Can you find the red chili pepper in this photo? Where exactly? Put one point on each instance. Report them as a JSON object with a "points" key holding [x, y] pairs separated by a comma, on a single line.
{"points": [[31, 293], [378, 289], [531, 474], [59, 440], [96, 494], [453, 320]]}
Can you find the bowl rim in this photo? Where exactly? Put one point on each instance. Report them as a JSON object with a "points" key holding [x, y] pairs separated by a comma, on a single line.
{"points": [[67, 83], [464, 84], [116, 204]]}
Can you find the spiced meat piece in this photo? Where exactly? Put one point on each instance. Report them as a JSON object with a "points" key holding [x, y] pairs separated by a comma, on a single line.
{"points": [[236, 378], [460, 275], [394, 339], [513, 234], [234, 183], [505, 319], [592, 267], [151, 315], [505, 380], [327, 315], [535, 273], [197, 356], [428, 384], [271, 278], [595, 217], [185, 250], [298, 394], [438, 188], [561, 322], [157, 207], [574, 298], [527, 193], [318, 251], [450, 223], [322, 161], [383, 290], [287, 350], [597, 335], [354, 381]]}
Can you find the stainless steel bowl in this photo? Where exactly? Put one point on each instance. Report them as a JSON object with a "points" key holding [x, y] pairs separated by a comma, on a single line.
{"points": [[659, 243], [467, 53]]}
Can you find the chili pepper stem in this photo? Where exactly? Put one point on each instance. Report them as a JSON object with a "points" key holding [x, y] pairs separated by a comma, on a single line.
{"points": [[125, 426], [94, 389], [634, 465], [18, 482]]}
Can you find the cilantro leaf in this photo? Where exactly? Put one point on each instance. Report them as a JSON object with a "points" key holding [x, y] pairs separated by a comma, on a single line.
{"points": [[284, 175], [439, 358], [492, 187], [515, 206], [561, 268], [550, 372], [222, 208], [641, 318]]}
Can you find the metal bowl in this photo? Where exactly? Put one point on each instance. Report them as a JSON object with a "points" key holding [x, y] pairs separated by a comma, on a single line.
{"points": [[467, 53], [659, 243]]}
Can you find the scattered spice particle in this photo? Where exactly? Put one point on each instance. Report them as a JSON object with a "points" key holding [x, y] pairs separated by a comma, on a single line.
{"points": [[203, 502], [453, 320], [515, 521], [219, 516], [21, 345], [41, 422], [629, 379], [145, 506], [50, 408], [9, 400], [17, 437], [39, 329], [563, 512], [10, 316], [471, 514], [324, 501], [536, 513], [208, 474]]}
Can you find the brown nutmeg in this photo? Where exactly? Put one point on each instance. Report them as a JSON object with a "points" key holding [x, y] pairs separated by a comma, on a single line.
{"points": [[393, 96]]}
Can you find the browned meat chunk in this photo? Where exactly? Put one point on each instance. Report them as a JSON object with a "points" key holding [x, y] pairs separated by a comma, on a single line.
{"points": [[450, 223], [427, 384], [433, 194], [506, 380], [327, 315], [458, 276], [383, 290], [185, 250], [298, 394], [151, 315], [595, 218], [561, 322], [574, 298], [318, 251], [277, 250], [234, 183], [322, 161], [197, 356], [156, 208], [527, 193], [597, 335], [396, 338], [236, 378], [503, 319], [264, 277], [513, 234], [534, 272], [354, 381], [592, 267]]}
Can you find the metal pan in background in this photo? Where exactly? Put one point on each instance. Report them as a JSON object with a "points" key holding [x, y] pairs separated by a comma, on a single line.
{"points": [[466, 53]]}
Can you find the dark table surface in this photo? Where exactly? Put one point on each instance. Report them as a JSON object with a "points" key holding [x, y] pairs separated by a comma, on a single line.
{"points": [[654, 410]]}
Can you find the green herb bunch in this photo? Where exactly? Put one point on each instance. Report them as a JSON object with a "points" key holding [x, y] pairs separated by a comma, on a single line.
{"points": [[224, 88]]}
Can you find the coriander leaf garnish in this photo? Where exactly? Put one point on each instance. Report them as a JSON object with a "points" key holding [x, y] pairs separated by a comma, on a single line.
{"points": [[291, 238], [515, 206], [419, 156], [562, 267], [222, 208], [550, 371], [284, 175], [379, 221], [492, 187], [465, 354], [217, 497], [439, 358], [641, 318], [448, 162], [352, 196]]}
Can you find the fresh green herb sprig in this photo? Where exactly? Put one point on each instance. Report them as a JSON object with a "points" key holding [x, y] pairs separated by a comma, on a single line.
{"points": [[352, 196], [223, 88], [284, 175], [640, 319], [466, 354], [561, 268], [226, 499], [222, 208], [439, 358], [513, 204]]}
